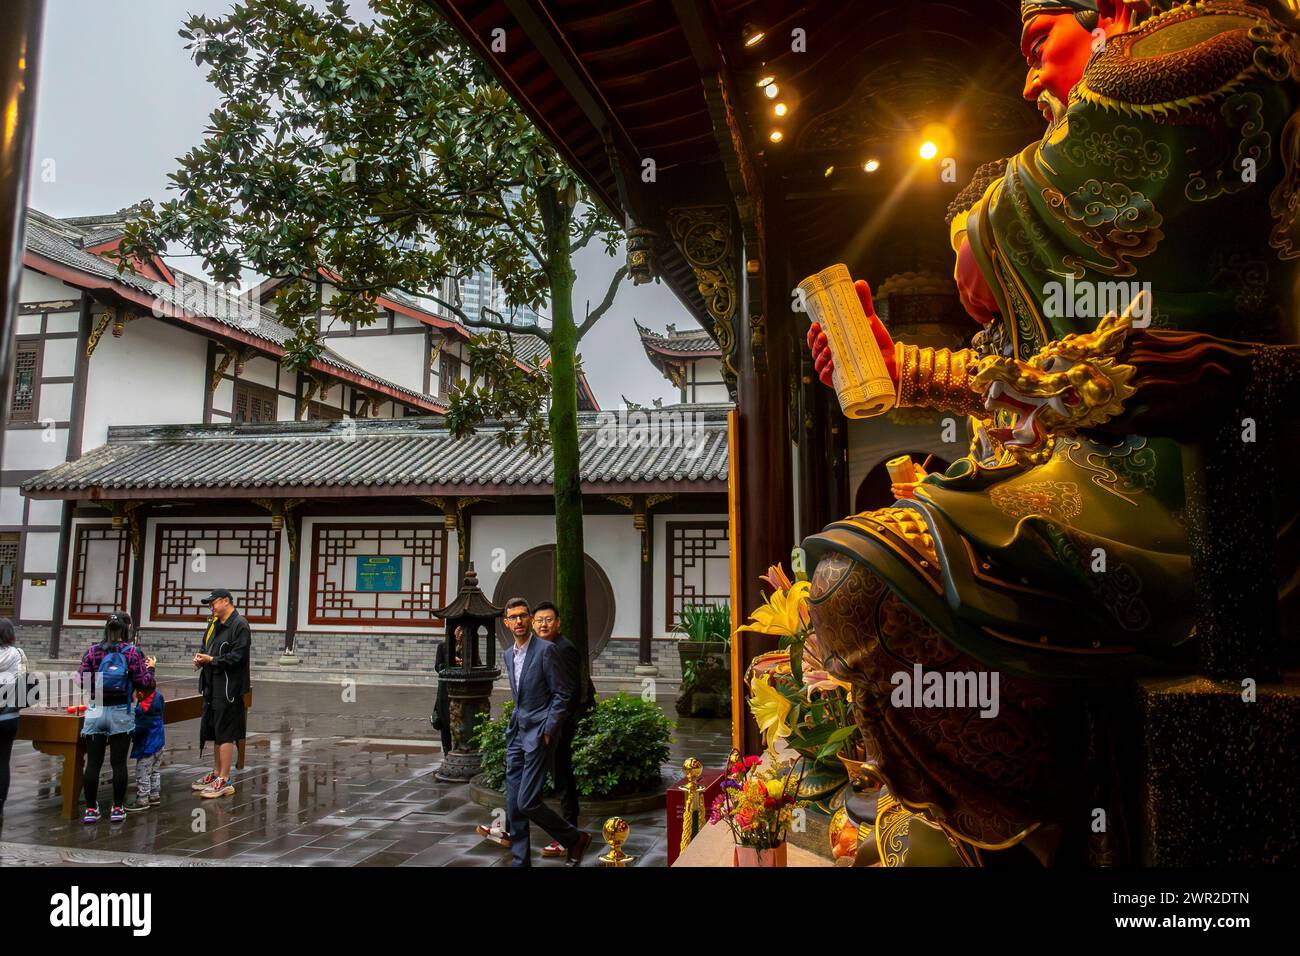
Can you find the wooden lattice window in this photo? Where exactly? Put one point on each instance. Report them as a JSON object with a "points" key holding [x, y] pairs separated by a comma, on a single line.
{"points": [[192, 559], [100, 558], [318, 412], [448, 373], [26, 382], [401, 589], [699, 565], [8, 572], [254, 403]]}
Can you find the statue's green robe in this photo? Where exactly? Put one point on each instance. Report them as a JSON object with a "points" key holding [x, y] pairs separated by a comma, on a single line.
{"points": [[1174, 170]]}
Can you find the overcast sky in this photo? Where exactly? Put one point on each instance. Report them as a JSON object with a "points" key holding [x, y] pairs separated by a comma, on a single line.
{"points": [[119, 99]]}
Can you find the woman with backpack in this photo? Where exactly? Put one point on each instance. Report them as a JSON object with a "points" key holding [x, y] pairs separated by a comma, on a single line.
{"points": [[116, 669], [13, 671]]}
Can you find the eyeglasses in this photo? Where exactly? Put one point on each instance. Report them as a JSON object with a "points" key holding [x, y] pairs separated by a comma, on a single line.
{"points": [[516, 617]]}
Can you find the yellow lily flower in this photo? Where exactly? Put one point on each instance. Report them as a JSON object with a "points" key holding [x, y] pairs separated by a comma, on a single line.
{"points": [[770, 709], [783, 614]]}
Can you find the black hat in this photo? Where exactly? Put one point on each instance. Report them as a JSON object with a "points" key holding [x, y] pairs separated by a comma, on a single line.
{"points": [[216, 593]]}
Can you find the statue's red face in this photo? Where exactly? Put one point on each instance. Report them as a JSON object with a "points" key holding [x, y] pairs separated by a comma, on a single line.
{"points": [[1057, 48]]}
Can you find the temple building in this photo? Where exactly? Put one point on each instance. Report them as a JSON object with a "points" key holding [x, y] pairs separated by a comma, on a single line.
{"points": [[159, 447]]}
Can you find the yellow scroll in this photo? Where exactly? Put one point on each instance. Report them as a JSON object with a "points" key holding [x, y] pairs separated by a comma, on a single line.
{"points": [[861, 380]]}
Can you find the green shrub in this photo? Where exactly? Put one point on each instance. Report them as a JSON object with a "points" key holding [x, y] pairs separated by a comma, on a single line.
{"points": [[617, 749], [491, 739]]}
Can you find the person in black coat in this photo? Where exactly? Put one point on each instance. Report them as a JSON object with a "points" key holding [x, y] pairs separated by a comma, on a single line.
{"points": [[441, 719], [546, 624]]}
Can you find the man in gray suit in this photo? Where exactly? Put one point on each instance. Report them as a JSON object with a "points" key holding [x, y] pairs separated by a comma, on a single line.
{"points": [[543, 695]]}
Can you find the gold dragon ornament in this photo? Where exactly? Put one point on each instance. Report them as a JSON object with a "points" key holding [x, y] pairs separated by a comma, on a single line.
{"points": [[1072, 383]]}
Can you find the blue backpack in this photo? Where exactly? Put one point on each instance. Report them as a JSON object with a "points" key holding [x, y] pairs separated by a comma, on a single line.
{"points": [[114, 674]]}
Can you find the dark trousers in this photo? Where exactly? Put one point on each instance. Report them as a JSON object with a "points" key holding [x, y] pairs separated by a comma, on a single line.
{"points": [[525, 775], [117, 745], [8, 731], [566, 785]]}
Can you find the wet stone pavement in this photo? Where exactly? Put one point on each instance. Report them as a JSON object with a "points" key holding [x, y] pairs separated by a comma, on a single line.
{"points": [[326, 783]]}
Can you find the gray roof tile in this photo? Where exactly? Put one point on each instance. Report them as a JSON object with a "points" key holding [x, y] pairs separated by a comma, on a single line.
{"points": [[412, 455]]}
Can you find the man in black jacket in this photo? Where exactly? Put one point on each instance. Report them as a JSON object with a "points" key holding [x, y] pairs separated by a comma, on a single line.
{"points": [[224, 679], [546, 625]]}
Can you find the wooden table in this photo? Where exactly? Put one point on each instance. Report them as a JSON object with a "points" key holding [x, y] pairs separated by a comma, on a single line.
{"points": [[53, 731]]}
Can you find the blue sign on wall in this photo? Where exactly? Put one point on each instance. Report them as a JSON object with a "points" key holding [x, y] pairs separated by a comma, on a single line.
{"points": [[379, 572]]}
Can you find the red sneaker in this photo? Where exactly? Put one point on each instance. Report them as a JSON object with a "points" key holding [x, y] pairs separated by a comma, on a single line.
{"points": [[553, 849], [493, 835]]}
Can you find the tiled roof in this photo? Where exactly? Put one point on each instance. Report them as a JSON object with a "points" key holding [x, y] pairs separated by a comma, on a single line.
{"points": [[676, 341], [682, 446], [52, 239], [529, 349]]}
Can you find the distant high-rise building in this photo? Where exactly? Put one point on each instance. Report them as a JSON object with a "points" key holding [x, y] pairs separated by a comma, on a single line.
{"points": [[482, 289]]}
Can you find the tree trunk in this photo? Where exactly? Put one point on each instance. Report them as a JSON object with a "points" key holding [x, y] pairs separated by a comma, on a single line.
{"points": [[570, 571]]}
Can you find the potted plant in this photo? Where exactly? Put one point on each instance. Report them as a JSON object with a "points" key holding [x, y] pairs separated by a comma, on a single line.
{"points": [[704, 653], [757, 804], [794, 694]]}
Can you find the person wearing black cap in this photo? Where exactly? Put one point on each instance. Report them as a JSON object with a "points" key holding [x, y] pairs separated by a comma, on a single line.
{"points": [[223, 665]]}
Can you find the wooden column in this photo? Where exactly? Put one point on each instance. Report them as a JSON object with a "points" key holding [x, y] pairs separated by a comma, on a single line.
{"points": [[765, 501], [294, 526], [645, 657], [136, 526], [20, 54]]}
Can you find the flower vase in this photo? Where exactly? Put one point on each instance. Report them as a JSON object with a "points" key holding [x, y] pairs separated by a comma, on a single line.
{"points": [[751, 856]]}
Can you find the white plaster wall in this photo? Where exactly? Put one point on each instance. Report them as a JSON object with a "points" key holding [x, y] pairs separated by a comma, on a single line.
{"points": [[60, 357], [45, 511], [146, 603], [153, 374], [304, 574], [56, 402], [398, 358], [38, 601], [286, 409], [42, 554], [223, 397], [260, 370], [11, 505], [37, 287], [26, 449], [62, 322]]}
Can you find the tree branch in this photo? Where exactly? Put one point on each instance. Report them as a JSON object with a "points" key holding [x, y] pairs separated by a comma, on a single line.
{"points": [[601, 309], [502, 324]]}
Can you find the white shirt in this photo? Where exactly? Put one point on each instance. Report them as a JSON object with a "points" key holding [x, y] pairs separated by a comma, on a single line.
{"points": [[520, 651]]}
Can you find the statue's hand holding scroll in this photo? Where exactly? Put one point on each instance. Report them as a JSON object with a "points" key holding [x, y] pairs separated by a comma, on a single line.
{"points": [[819, 345]]}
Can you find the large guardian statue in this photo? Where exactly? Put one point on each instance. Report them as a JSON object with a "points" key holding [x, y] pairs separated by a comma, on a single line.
{"points": [[1113, 269]]}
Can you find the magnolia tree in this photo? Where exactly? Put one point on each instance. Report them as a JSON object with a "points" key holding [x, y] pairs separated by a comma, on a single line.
{"points": [[383, 155]]}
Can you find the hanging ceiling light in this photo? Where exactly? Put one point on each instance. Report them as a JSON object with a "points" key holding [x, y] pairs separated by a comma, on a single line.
{"points": [[776, 136], [780, 109], [771, 91], [753, 35], [829, 170], [929, 150], [766, 79], [871, 165]]}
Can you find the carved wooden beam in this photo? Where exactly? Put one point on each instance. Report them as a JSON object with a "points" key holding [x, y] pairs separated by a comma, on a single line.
{"points": [[124, 516], [96, 333], [227, 356]]}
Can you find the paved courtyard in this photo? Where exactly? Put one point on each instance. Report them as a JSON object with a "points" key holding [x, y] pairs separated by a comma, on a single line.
{"points": [[327, 783]]}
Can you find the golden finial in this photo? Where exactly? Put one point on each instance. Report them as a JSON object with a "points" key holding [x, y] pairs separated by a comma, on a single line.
{"points": [[692, 767], [615, 831]]}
